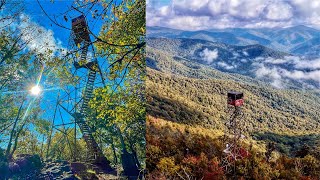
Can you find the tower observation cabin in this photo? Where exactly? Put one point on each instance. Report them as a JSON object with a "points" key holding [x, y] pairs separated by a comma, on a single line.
{"points": [[235, 98], [81, 38], [79, 27]]}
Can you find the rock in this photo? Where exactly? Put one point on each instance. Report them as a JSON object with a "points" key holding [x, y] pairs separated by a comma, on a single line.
{"points": [[4, 169], [78, 167], [57, 170], [66, 168], [69, 177], [27, 162], [62, 162], [49, 165], [14, 168], [24, 164]]}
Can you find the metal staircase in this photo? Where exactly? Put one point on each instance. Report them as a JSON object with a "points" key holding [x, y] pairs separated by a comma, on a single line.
{"points": [[95, 153], [85, 129]]}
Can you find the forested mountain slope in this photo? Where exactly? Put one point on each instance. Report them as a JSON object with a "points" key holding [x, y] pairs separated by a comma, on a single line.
{"points": [[203, 101], [187, 92]]}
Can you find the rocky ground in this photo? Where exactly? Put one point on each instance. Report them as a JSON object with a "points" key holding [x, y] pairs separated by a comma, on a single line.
{"points": [[56, 170], [30, 167], [65, 170]]}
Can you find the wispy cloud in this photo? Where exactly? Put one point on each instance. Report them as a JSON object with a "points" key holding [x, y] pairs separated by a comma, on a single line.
{"points": [[208, 55], [37, 37], [314, 64], [226, 66], [206, 14], [290, 68]]}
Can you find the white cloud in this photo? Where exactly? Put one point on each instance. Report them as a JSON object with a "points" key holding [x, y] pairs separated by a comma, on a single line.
{"points": [[226, 66], [193, 22], [164, 11], [275, 61], [245, 53], [235, 54], [264, 71], [38, 38], [299, 63], [190, 5], [279, 11], [243, 60], [208, 14], [314, 64], [208, 55], [306, 7], [301, 75], [271, 74], [292, 69]]}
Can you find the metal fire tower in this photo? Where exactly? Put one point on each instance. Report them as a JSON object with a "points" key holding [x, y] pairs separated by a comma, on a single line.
{"points": [[81, 38], [233, 150]]}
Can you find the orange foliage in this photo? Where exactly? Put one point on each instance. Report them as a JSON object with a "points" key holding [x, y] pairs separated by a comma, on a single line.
{"points": [[180, 151]]}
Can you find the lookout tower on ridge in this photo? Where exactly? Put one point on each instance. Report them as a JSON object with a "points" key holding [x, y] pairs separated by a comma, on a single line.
{"points": [[79, 28], [235, 98], [233, 133], [81, 38]]}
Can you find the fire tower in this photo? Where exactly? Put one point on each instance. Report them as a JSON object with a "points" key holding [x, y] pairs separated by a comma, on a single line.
{"points": [[234, 129], [78, 110], [81, 39]]}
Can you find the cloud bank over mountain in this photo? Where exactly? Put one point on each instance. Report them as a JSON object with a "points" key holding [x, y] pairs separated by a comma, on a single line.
{"points": [[280, 71], [209, 56], [208, 14]]}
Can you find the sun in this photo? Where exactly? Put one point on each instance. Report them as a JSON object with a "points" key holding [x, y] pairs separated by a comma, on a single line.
{"points": [[35, 90]]}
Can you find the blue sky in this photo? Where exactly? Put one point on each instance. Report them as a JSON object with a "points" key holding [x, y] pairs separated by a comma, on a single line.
{"points": [[211, 14], [56, 10], [33, 10]]}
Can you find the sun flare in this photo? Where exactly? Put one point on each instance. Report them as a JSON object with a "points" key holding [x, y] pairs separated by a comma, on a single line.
{"points": [[35, 90]]}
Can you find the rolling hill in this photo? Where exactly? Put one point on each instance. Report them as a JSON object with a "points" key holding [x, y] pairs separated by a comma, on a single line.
{"points": [[279, 69], [203, 101], [187, 92], [284, 39]]}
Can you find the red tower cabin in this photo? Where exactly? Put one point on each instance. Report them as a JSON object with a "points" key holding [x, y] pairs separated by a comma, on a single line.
{"points": [[79, 28], [235, 98]]}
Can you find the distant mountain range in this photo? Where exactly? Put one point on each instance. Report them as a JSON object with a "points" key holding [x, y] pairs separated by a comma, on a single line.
{"points": [[283, 70], [298, 40]]}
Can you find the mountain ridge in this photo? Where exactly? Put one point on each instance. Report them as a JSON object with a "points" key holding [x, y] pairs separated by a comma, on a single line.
{"points": [[280, 69], [284, 39]]}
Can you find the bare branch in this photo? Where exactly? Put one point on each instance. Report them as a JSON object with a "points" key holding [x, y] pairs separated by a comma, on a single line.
{"points": [[53, 21]]}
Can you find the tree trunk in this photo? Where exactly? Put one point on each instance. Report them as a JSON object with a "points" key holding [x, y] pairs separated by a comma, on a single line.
{"points": [[123, 145], [16, 139], [134, 152], [114, 152], [12, 133], [41, 150]]}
